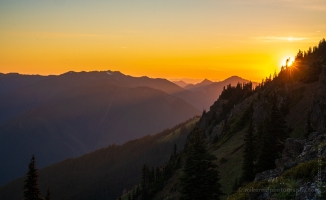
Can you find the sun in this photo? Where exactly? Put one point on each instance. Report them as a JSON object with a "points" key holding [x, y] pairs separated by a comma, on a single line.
{"points": [[287, 61]]}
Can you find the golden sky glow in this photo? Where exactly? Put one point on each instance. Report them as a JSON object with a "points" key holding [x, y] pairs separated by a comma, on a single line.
{"points": [[193, 39]]}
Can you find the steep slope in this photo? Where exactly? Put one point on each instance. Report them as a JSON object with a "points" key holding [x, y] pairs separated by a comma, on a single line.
{"points": [[299, 95], [228, 145], [85, 118], [105, 173]]}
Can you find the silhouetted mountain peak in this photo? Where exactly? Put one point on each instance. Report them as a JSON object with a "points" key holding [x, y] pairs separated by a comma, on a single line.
{"points": [[235, 78], [206, 82], [181, 83], [199, 86]]}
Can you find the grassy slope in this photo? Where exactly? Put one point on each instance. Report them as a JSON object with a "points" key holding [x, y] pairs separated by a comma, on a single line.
{"points": [[301, 97], [289, 180], [172, 136], [230, 147], [230, 168], [231, 150]]}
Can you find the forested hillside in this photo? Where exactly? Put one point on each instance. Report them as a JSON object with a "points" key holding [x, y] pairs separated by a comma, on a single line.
{"points": [[272, 132]]}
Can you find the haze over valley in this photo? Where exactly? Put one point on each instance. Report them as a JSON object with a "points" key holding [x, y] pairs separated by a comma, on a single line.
{"points": [[58, 117]]}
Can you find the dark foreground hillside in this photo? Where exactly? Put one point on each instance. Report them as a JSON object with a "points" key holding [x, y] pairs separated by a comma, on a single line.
{"points": [[107, 172]]}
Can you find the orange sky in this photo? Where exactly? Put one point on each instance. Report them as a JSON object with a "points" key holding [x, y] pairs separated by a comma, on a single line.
{"points": [[193, 39]]}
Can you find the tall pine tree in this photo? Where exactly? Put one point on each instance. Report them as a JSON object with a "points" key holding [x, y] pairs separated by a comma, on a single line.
{"points": [[31, 190], [249, 156], [145, 183], [48, 194], [273, 138], [200, 178]]}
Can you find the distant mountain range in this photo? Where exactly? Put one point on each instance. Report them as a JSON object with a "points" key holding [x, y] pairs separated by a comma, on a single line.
{"points": [[198, 86], [57, 117], [211, 90]]}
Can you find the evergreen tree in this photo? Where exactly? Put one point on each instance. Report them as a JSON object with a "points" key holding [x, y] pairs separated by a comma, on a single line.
{"points": [[248, 173], [137, 191], [133, 195], [48, 194], [273, 138], [145, 183], [31, 190], [200, 178]]}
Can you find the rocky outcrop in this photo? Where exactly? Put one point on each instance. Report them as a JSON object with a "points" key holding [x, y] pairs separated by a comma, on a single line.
{"points": [[237, 110], [312, 190], [214, 111], [267, 175], [308, 191], [296, 152], [293, 149]]}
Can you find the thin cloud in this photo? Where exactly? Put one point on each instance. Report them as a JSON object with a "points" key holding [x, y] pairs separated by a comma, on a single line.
{"points": [[281, 39]]}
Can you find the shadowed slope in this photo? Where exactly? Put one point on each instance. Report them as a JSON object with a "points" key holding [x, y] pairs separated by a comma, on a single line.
{"points": [[82, 119]]}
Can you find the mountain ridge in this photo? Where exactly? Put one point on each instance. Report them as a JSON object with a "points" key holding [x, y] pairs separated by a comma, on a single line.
{"points": [[78, 112], [67, 117]]}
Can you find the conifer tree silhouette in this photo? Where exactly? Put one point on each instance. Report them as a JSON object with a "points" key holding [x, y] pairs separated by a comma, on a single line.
{"points": [[200, 174], [31, 190]]}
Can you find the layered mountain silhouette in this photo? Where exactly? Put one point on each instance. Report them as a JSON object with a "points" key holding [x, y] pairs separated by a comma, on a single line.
{"points": [[198, 86], [180, 83], [57, 117]]}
